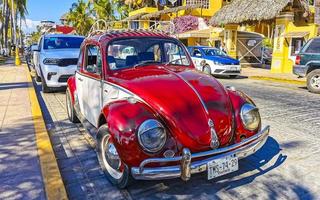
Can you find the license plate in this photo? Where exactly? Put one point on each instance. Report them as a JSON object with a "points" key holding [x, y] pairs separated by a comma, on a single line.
{"points": [[222, 166]]}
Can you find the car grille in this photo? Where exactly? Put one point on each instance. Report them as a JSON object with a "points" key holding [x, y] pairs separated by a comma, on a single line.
{"points": [[67, 61], [64, 78], [233, 71]]}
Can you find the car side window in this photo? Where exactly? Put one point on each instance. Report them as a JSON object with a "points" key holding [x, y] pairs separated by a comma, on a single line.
{"points": [[80, 60], [196, 52], [93, 61], [314, 46]]}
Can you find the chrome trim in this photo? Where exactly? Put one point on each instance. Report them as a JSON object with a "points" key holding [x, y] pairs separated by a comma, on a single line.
{"points": [[244, 112], [241, 150]]}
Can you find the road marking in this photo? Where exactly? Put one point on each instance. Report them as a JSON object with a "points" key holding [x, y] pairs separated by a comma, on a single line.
{"points": [[53, 183], [280, 80]]}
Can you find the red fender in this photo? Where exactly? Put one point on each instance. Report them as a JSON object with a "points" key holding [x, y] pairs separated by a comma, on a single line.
{"points": [[238, 99], [123, 119], [71, 84]]}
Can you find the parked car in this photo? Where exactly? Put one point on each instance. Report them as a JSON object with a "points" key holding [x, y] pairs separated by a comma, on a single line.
{"points": [[214, 61], [307, 64], [29, 55], [156, 116], [56, 59]]}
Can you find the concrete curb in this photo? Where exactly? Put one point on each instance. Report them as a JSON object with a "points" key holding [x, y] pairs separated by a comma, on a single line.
{"points": [[54, 187], [281, 80]]}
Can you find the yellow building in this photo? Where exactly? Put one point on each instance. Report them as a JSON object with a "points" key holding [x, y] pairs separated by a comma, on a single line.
{"points": [[293, 23]]}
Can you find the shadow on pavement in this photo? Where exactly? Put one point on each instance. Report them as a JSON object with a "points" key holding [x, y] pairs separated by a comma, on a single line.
{"points": [[8, 86], [253, 174]]}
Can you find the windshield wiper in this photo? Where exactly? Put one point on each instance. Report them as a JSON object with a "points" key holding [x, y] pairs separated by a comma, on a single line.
{"points": [[144, 63], [172, 61]]}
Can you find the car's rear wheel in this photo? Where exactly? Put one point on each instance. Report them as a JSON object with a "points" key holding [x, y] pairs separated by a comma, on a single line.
{"points": [[313, 81], [206, 69], [70, 108], [116, 171]]}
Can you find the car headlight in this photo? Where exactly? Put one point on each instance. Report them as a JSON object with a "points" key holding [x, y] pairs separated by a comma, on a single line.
{"points": [[51, 61], [250, 117], [152, 135], [217, 63]]}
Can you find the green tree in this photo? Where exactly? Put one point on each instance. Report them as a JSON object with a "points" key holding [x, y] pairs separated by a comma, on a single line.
{"points": [[103, 9], [80, 17]]}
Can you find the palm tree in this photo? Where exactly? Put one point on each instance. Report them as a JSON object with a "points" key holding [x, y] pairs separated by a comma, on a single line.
{"points": [[80, 17], [103, 9]]}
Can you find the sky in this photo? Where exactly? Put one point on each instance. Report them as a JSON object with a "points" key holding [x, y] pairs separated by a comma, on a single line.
{"points": [[45, 10]]}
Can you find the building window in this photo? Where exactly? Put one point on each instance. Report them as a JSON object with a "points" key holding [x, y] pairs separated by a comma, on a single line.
{"points": [[205, 3], [296, 45]]}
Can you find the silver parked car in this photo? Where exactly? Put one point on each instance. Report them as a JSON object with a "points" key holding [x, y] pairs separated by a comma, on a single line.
{"points": [[56, 59]]}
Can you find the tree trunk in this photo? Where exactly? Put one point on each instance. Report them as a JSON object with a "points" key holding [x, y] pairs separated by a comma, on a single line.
{"points": [[6, 25]]}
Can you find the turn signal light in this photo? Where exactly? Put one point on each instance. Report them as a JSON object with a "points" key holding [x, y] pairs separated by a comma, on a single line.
{"points": [[298, 59]]}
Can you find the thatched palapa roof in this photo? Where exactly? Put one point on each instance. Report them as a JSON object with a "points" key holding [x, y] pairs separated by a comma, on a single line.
{"points": [[243, 11], [171, 10]]}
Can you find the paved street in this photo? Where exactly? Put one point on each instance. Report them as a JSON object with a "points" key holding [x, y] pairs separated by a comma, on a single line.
{"points": [[286, 168]]}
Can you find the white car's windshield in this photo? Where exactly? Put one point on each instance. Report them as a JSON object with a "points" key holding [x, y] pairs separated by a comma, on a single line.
{"points": [[214, 52], [62, 42], [126, 53]]}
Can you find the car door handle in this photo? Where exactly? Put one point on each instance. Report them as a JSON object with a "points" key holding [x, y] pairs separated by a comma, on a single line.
{"points": [[106, 91], [80, 79]]}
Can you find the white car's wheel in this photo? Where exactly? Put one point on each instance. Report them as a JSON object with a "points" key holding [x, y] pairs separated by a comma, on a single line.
{"points": [[207, 69]]}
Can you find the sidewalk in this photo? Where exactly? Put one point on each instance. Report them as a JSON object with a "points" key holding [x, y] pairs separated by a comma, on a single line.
{"points": [[22, 146], [265, 74]]}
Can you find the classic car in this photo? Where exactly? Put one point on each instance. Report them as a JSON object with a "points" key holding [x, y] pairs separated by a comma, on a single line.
{"points": [[155, 115], [214, 61]]}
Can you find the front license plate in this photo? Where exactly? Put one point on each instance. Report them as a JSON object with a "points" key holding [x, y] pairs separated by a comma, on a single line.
{"points": [[233, 68], [222, 166]]}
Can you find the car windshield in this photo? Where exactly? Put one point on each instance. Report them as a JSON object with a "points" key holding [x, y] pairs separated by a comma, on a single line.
{"points": [[126, 53], [214, 52], [62, 42]]}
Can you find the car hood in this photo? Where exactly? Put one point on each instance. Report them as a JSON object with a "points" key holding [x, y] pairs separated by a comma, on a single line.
{"points": [[223, 60], [176, 94], [61, 53]]}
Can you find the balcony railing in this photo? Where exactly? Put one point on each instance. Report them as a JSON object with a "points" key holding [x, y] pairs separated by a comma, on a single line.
{"points": [[204, 3]]}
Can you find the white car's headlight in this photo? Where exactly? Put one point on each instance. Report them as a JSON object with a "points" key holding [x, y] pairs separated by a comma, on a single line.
{"points": [[250, 117], [51, 61], [152, 135]]}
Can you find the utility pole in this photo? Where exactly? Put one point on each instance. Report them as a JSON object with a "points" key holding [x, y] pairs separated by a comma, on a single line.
{"points": [[17, 58]]}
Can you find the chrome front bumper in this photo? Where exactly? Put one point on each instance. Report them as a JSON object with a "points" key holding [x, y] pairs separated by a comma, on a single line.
{"points": [[187, 167]]}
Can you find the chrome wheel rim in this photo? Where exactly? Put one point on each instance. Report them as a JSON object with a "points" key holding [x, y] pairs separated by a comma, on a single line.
{"points": [[315, 81], [111, 160]]}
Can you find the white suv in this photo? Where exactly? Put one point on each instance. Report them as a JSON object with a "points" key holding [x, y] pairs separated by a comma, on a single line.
{"points": [[56, 59]]}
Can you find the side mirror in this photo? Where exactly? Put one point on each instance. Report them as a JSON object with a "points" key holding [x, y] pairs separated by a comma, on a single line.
{"points": [[35, 48]]}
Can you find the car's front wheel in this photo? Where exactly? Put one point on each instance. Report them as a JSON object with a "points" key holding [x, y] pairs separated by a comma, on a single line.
{"points": [[313, 81], [206, 69], [45, 88], [116, 171]]}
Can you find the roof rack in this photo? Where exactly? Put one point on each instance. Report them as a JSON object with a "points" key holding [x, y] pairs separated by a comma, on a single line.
{"points": [[102, 26]]}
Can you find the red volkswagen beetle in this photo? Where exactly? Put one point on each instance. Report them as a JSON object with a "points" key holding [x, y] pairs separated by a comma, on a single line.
{"points": [[156, 116]]}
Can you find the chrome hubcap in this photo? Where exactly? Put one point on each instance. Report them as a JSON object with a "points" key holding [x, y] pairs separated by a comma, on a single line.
{"points": [[111, 159], [315, 81]]}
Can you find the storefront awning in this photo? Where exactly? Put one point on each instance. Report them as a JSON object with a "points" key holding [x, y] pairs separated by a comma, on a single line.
{"points": [[295, 34], [171, 10], [204, 33]]}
